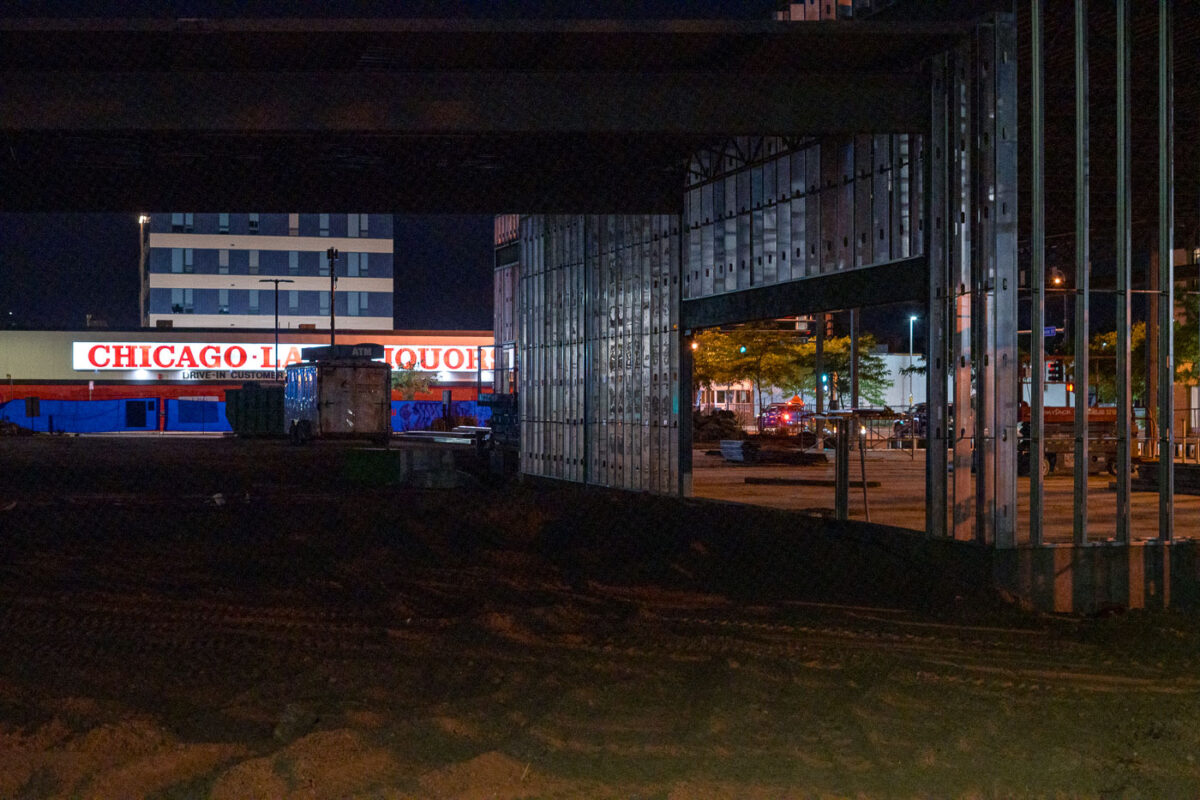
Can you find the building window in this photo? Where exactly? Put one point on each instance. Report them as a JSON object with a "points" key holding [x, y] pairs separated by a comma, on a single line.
{"points": [[356, 225], [188, 223], [222, 223], [323, 301], [324, 222], [356, 304], [177, 222], [323, 265], [253, 262], [176, 259], [222, 301], [181, 301], [293, 263], [223, 262], [253, 304], [254, 223], [188, 264], [293, 224], [356, 265], [293, 301]]}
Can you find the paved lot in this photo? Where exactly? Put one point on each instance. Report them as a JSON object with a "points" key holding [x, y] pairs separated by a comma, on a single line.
{"points": [[900, 498]]}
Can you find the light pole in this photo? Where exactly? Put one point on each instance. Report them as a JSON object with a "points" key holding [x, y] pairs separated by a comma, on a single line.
{"points": [[911, 320], [332, 255], [143, 316], [276, 281]]}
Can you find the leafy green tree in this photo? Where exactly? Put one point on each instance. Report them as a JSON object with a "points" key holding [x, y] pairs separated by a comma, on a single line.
{"points": [[410, 382], [778, 358], [764, 357], [873, 377]]}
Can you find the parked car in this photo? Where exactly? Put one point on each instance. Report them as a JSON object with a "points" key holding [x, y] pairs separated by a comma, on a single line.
{"points": [[915, 423], [782, 418]]}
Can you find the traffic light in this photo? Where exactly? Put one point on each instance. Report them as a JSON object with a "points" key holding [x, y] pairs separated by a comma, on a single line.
{"points": [[824, 379], [1055, 372], [828, 326], [742, 349]]}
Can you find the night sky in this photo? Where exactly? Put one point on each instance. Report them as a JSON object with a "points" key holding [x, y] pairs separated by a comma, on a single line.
{"points": [[57, 268]]}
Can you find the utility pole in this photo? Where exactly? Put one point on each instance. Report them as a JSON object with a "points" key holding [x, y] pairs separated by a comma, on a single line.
{"points": [[332, 254], [276, 281]]}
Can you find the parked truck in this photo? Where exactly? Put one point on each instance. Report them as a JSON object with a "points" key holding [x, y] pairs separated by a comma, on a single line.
{"points": [[1059, 439], [339, 392]]}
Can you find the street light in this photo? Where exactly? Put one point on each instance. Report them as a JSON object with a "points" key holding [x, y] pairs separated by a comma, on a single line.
{"points": [[911, 320], [143, 220], [276, 281]]}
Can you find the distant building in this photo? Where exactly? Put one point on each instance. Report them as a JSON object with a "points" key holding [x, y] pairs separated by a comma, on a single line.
{"points": [[208, 270]]}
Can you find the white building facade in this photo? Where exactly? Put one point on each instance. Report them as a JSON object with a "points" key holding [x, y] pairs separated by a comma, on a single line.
{"points": [[216, 270]]}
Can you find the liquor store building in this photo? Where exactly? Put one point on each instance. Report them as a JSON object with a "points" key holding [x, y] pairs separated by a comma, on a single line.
{"points": [[172, 364]]}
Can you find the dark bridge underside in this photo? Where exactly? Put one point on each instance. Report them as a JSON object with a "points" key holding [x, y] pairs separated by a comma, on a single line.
{"points": [[419, 115]]}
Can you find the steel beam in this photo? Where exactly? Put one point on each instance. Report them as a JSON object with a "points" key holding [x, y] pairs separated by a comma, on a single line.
{"points": [[1166, 275], [995, 270], [1082, 277], [1037, 280], [906, 280], [963, 516], [1124, 275], [429, 102], [937, 246]]}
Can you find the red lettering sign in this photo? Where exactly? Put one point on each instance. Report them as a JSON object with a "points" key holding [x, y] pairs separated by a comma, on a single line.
{"points": [[94, 356], [187, 358], [210, 356], [235, 356]]}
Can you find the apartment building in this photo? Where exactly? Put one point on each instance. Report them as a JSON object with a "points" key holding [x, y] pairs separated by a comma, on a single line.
{"points": [[218, 270]]}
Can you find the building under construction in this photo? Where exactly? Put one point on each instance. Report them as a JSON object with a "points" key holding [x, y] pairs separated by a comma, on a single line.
{"points": [[1042, 177]]}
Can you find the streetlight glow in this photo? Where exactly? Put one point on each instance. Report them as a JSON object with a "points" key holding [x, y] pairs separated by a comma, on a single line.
{"points": [[911, 320]]}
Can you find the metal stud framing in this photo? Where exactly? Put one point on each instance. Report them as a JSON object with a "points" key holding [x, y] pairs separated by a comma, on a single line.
{"points": [[762, 211], [937, 245], [1123, 253], [600, 340], [1166, 276], [1081, 337], [1037, 149], [599, 296]]}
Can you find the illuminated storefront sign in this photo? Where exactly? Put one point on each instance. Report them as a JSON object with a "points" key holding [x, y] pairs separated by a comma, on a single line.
{"points": [[204, 360]]}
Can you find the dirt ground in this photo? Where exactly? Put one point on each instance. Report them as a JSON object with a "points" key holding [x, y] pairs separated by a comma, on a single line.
{"points": [[212, 618]]}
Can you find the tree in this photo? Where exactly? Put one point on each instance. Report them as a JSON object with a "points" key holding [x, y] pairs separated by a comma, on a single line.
{"points": [[873, 377], [410, 382], [777, 358], [764, 357]]}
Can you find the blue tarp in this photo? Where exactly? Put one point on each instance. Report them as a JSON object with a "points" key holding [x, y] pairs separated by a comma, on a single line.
{"points": [[141, 414], [418, 415], [85, 416], [206, 416]]}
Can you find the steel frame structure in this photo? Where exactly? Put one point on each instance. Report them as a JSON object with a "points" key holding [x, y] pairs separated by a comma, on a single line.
{"points": [[771, 226]]}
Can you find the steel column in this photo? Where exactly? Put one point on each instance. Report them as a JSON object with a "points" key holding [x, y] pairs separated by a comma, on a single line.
{"points": [[1082, 278], [964, 501], [853, 360], [1124, 232], [1166, 276], [937, 245], [1000, 207], [1037, 149], [841, 492]]}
